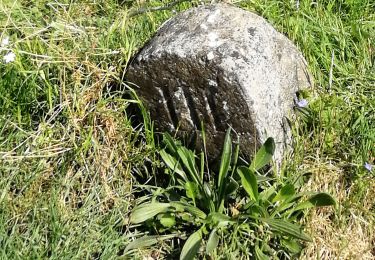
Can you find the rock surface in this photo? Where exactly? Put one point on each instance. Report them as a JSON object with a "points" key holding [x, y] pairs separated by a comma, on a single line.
{"points": [[226, 67]]}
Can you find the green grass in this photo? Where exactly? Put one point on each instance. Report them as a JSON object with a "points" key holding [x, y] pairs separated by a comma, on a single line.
{"points": [[70, 154]]}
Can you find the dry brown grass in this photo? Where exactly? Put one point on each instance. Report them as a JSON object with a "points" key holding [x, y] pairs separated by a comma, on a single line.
{"points": [[338, 234]]}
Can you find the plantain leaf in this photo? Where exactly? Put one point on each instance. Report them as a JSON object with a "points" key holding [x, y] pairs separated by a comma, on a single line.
{"points": [[207, 189], [212, 242], [285, 193], [225, 161], [173, 164], [191, 209], [283, 206], [191, 246], [231, 187], [249, 182], [170, 143], [318, 200], [261, 178], [146, 211], [268, 193], [264, 155], [167, 220], [286, 228], [147, 241], [293, 246], [192, 191], [322, 199], [188, 159], [219, 220]]}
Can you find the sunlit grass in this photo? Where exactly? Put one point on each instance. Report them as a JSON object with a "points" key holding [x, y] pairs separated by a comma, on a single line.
{"points": [[69, 149]]}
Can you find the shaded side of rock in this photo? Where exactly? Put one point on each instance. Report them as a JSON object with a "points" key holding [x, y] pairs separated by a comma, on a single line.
{"points": [[222, 66]]}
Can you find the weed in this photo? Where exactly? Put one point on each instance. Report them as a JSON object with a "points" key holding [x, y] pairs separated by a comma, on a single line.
{"points": [[201, 203]]}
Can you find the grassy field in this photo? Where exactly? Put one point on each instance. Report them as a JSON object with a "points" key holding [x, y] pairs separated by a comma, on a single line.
{"points": [[72, 155]]}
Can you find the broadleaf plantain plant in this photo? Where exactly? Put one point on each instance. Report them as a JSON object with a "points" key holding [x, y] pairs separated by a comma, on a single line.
{"points": [[238, 208]]}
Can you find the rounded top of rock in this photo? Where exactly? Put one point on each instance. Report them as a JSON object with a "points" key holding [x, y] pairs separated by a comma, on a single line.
{"points": [[223, 26]]}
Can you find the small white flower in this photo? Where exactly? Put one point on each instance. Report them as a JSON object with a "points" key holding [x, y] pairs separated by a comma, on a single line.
{"points": [[9, 57], [5, 41]]}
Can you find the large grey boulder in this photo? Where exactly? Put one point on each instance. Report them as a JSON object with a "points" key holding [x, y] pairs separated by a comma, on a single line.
{"points": [[226, 67]]}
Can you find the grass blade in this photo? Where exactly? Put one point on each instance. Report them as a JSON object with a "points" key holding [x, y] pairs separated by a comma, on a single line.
{"points": [[260, 255]]}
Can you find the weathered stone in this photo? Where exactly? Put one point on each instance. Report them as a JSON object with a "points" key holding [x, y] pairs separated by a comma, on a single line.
{"points": [[226, 67]]}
